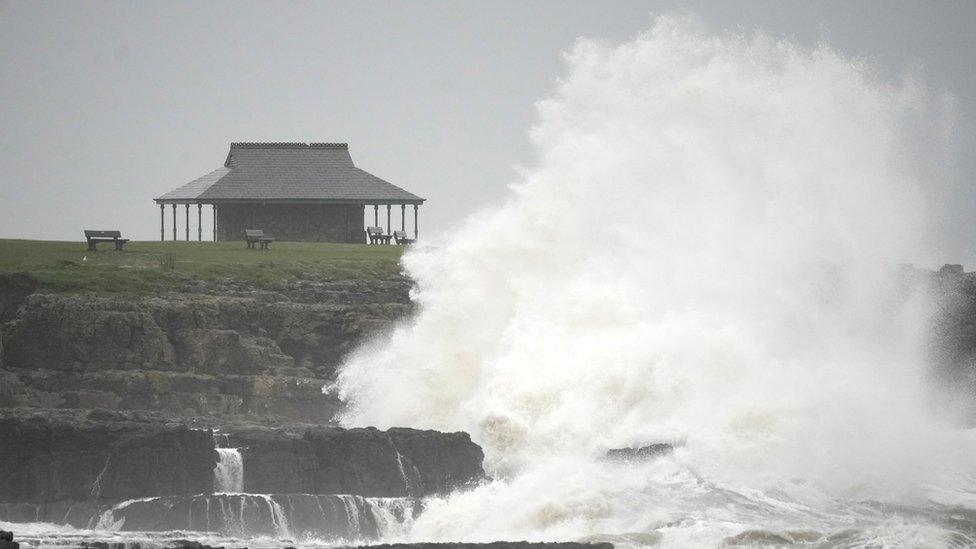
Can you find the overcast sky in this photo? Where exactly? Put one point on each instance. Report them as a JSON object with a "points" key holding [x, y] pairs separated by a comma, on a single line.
{"points": [[106, 105]]}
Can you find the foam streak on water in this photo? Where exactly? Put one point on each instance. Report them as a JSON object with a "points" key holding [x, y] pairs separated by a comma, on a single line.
{"points": [[702, 252]]}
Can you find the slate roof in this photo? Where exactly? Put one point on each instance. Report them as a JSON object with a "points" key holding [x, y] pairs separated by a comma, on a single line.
{"points": [[290, 172]]}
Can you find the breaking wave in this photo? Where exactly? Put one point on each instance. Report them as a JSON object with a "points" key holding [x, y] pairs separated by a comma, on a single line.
{"points": [[704, 253]]}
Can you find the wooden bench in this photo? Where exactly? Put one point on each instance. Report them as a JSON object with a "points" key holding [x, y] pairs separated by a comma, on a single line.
{"points": [[376, 236], [401, 238], [94, 237], [257, 236]]}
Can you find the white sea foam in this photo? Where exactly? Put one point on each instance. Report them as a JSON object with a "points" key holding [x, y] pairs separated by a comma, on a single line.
{"points": [[702, 252]]}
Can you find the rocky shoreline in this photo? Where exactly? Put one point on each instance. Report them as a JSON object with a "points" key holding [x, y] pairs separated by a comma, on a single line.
{"points": [[126, 412], [71, 470]]}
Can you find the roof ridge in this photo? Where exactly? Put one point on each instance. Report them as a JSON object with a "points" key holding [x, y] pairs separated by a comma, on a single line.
{"points": [[286, 145], [268, 145]]}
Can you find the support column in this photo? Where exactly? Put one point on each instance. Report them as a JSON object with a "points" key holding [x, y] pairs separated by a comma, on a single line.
{"points": [[376, 215], [415, 221], [214, 206], [162, 222], [388, 219], [403, 217], [188, 222], [199, 222], [174, 222]]}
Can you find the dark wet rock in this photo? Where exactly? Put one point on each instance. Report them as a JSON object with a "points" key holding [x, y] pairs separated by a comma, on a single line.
{"points": [[753, 538], [644, 452], [366, 462], [7, 540], [443, 462], [68, 468], [78, 460]]}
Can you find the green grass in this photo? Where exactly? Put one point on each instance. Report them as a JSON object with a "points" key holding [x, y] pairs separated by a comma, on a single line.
{"points": [[154, 267]]}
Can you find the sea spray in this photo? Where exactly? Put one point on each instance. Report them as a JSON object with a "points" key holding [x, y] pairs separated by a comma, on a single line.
{"points": [[704, 251]]}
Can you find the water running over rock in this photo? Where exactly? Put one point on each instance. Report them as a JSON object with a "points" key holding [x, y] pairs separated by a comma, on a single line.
{"points": [[229, 471], [280, 516]]}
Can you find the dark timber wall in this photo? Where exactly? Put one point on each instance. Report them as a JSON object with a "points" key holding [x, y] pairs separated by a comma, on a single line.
{"points": [[293, 222]]}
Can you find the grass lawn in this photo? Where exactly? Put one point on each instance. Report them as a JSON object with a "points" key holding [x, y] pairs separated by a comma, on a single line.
{"points": [[152, 267]]}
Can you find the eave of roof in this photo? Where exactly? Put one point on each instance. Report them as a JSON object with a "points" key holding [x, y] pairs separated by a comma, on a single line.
{"points": [[289, 173], [193, 189]]}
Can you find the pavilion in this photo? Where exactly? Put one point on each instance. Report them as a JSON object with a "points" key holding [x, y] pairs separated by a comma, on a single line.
{"points": [[309, 192]]}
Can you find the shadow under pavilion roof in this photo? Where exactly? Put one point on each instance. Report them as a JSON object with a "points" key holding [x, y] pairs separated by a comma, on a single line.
{"points": [[289, 172]]}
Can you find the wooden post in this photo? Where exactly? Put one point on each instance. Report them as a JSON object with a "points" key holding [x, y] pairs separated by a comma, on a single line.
{"points": [[403, 217], [415, 222], [174, 222], [376, 215], [199, 222], [187, 221], [214, 206], [388, 219], [162, 222]]}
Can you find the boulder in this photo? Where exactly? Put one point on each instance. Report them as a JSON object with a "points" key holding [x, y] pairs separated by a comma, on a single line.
{"points": [[650, 451], [7, 540]]}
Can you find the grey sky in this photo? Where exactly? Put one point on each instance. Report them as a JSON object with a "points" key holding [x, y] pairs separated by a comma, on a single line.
{"points": [[105, 105]]}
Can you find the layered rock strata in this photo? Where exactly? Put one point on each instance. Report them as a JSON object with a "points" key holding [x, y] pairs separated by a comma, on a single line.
{"points": [[243, 353], [122, 471]]}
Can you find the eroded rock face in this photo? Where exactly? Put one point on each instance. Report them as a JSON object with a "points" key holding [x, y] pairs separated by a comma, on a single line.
{"points": [[73, 470], [195, 334], [48, 459], [244, 353], [365, 462], [442, 461]]}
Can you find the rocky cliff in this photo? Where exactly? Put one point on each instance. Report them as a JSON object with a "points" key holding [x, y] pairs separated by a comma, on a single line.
{"points": [[202, 410], [228, 351]]}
